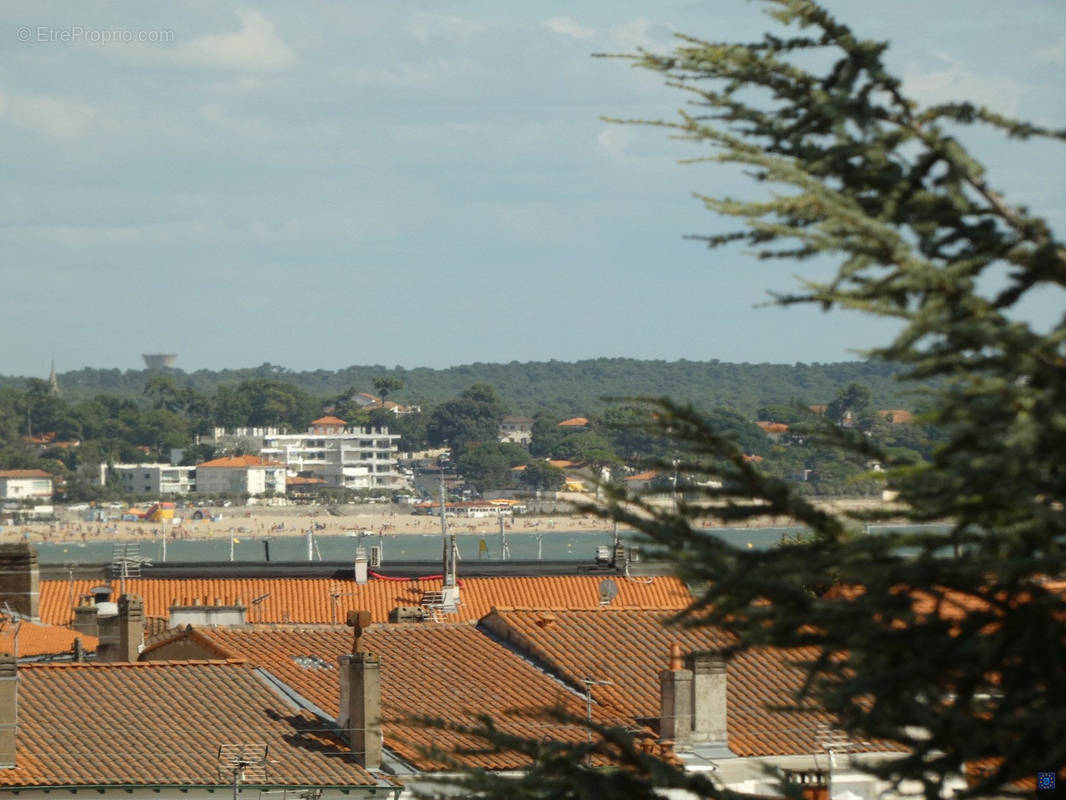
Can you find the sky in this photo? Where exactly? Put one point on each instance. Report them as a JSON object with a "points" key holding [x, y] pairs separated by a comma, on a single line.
{"points": [[322, 184]]}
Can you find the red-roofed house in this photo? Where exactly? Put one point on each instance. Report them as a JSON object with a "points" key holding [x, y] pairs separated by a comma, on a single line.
{"points": [[731, 718], [254, 475], [328, 424], [574, 423], [118, 730], [897, 416]]}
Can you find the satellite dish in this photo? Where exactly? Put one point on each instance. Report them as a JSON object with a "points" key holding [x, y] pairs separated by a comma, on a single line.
{"points": [[608, 591]]}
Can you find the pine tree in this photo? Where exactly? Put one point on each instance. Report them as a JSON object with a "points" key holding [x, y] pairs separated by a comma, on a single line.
{"points": [[859, 172]]}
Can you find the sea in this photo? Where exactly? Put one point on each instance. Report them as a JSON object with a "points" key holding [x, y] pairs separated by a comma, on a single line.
{"points": [[525, 546]]}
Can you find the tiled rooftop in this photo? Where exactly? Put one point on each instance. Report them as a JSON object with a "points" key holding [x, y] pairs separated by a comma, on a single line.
{"points": [[630, 647], [42, 640], [327, 600], [161, 725], [239, 462], [449, 671]]}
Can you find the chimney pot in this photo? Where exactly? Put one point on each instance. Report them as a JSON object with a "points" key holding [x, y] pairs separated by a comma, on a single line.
{"points": [[676, 661]]}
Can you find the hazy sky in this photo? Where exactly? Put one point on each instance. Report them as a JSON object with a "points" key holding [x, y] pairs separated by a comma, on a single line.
{"points": [[321, 184]]}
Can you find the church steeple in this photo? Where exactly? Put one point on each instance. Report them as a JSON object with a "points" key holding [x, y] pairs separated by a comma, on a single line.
{"points": [[53, 381]]}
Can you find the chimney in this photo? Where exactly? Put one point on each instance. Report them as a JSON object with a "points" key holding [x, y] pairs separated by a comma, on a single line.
{"points": [[360, 709], [20, 578], [360, 706], [107, 629], [708, 698], [8, 710], [85, 620], [675, 700], [130, 627], [360, 566]]}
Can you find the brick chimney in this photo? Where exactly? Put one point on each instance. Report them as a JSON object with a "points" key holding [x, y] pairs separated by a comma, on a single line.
{"points": [[8, 710], [20, 578], [675, 700], [85, 620], [693, 699], [708, 698], [360, 706], [121, 629], [130, 626]]}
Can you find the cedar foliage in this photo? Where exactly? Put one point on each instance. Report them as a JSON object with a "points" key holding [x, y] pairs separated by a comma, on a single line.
{"points": [[857, 171]]}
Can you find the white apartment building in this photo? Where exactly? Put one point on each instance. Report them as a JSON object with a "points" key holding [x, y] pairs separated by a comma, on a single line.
{"points": [[155, 479], [240, 474], [25, 484], [346, 458]]}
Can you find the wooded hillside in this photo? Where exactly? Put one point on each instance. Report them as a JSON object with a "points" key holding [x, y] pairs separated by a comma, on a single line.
{"points": [[567, 387]]}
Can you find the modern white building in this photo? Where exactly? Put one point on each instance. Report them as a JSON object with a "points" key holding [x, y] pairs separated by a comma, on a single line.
{"points": [[155, 479], [345, 458], [25, 484], [253, 475]]}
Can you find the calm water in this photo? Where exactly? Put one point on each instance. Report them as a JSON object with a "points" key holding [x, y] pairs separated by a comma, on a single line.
{"points": [[555, 546]]}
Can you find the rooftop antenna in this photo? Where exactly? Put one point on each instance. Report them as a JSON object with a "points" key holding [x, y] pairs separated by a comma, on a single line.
{"points": [[589, 683], [126, 562], [258, 604], [505, 549], [7, 613], [242, 763], [450, 586]]}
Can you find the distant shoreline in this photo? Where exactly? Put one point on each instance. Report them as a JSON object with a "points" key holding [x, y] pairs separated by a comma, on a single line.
{"points": [[260, 522]]}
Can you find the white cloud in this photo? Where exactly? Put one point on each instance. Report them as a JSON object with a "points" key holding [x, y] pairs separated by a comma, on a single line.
{"points": [[1055, 54], [65, 120], [568, 26], [256, 47]]}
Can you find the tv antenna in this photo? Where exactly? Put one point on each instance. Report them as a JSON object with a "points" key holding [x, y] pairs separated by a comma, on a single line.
{"points": [[242, 763], [505, 548], [589, 683], [8, 614], [257, 604], [126, 562]]}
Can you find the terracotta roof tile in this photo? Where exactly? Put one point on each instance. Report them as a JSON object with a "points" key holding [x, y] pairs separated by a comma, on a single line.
{"points": [[24, 473], [42, 640], [642, 476], [239, 462], [328, 421], [449, 671], [630, 647], [574, 422], [161, 724], [327, 600], [772, 427], [897, 416]]}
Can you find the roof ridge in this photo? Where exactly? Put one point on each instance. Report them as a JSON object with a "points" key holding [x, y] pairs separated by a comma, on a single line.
{"points": [[199, 662]]}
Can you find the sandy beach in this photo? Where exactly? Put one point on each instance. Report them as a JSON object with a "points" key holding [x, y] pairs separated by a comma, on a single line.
{"points": [[265, 521]]}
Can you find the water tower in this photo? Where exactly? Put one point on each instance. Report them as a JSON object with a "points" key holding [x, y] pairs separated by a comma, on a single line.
{"points": [[159, 360]]}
